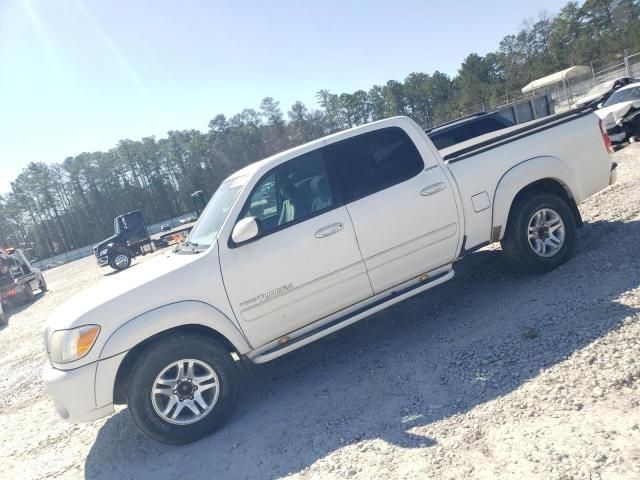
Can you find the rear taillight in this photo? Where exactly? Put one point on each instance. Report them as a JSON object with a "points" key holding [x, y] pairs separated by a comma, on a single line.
{"points": [[605, 138]]}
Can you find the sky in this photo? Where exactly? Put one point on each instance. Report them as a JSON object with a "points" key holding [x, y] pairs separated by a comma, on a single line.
{"points": [[80, 75]]}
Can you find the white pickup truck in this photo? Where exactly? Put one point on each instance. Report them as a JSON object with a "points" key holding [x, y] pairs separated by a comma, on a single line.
{"points": [[304, 243]]}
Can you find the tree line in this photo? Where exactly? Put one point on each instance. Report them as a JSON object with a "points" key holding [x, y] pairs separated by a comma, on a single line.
{"points": [[57, 207]]}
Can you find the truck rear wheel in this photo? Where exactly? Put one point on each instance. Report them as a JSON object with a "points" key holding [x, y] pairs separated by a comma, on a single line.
{"points": [[28, 295], [182, 388], [541, 233], [120, 260]]}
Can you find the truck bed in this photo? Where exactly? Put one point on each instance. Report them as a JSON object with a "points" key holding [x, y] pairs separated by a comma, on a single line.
{"points": [[571, 141], [165, 237], [498, 138]]}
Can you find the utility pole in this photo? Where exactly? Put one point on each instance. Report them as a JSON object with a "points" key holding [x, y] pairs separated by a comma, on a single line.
{"points": [[626, 62]]}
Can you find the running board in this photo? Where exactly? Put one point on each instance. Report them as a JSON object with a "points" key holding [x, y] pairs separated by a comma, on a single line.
{"points": [[287, 344]]}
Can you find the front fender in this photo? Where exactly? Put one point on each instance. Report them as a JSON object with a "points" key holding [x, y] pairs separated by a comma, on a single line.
{"points": [[523, 174], [151, 323], [170, 316]]}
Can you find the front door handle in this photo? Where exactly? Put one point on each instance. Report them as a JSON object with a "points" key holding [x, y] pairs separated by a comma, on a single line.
{"points": [[431, 189], [329, 230]]}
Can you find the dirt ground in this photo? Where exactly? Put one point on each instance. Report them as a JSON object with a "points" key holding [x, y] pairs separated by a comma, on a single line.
{"points": [[492, 375]]}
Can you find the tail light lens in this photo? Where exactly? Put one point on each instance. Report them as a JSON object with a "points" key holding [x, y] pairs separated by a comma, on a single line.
{"points": [[605, 138]]}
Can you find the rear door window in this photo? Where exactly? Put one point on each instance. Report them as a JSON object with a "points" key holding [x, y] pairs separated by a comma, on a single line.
{"points": [[371, 162]]}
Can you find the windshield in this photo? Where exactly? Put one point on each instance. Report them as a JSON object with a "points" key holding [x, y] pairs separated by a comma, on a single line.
{"points": [[212, 218], [626, 95]]}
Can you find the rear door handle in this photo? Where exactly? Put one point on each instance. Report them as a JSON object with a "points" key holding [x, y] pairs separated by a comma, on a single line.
{"points": [[329, 230], [431, 189]]}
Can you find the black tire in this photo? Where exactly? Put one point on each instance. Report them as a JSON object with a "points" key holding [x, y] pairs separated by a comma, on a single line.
{"points": [[43, 285], [515, 243], [29, 296], [151, 363], [3, 318], [120, 253]]}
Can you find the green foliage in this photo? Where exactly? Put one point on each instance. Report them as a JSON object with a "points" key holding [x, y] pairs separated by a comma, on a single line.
{"points": [[59, 207]]}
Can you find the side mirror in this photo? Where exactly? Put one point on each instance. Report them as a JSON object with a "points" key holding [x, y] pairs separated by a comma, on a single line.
{"points": [[245, 230]]}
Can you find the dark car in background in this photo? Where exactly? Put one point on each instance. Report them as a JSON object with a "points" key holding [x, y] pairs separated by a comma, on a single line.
{"points": [[466, 128]]}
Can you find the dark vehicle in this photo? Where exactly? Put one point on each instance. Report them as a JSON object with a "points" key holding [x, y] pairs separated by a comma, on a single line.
{"points": [[465, 128], [18, 279], [165, 227], [131, 239], [601, 92]]}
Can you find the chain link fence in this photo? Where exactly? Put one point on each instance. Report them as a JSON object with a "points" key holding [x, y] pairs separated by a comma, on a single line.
{"points": [[564, 96], [559, 98]]}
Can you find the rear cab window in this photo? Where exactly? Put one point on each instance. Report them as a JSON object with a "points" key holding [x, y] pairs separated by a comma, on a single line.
{"points": [[371, 162]]}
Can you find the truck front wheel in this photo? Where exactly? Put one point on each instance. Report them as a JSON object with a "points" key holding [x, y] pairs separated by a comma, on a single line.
{"points": [[182, 388], [120, 260], [541, 233]]}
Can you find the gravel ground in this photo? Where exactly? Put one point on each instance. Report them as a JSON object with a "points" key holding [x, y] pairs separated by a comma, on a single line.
{"points": [[491, 375]]}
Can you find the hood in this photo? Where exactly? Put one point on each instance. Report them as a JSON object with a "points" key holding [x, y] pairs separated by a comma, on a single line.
{"points": [[99, 246], [614, 113], [133, 291], [127, 294]]}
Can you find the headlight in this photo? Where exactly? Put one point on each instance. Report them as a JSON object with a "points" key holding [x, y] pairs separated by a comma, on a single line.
{"points": [[68, 345], [103, 252]]}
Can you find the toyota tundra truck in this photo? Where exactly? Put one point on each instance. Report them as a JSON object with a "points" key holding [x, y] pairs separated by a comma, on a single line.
{"points": [[307, 242]]}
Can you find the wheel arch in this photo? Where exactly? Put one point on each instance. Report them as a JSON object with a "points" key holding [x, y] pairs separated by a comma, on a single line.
{"points": [[119, 247], [540, 174], [130, 358], [125, 345]]}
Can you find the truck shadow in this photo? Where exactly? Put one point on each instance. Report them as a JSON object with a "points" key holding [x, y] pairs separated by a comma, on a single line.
{"points": [[387, 378], [115, 272]]}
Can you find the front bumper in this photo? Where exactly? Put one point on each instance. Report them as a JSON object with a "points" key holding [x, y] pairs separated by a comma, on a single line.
{"points": [[73, 393], [103, 260]]}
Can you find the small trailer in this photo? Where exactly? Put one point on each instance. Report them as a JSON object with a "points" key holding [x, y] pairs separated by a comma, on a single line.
{"points": [[173, 236]]}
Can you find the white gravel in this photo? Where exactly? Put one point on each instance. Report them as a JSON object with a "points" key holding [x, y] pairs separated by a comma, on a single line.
{"points": [[491, 375]]}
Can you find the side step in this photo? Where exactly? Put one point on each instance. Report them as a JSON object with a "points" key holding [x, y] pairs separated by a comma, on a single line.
{"points": [[309, 334]]}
